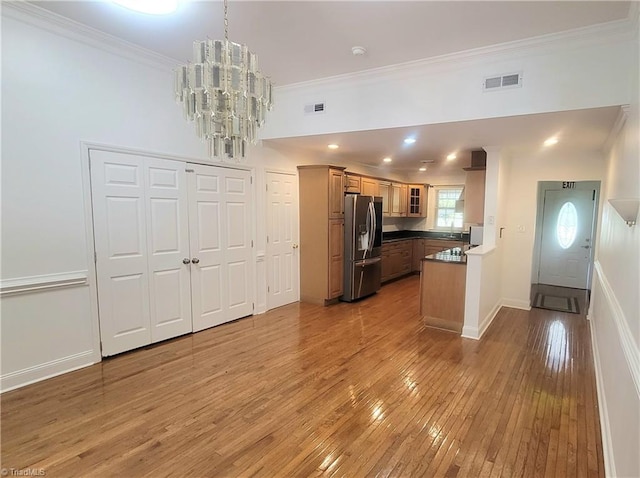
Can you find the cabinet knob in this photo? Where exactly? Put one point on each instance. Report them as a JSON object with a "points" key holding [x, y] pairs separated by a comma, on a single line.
{"points": [[186, 260], [195, 260]]}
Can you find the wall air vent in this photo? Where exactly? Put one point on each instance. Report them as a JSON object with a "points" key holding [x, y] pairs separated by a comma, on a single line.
{"points": [[314, 108], [501, 82]]}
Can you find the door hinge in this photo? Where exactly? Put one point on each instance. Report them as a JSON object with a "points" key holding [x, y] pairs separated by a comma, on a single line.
{"points": [[189, 171], [253, 306], [251, 180], [95, 257], [251, 242], [268, 289], [267, 239], [593, 197], [266, 187]]}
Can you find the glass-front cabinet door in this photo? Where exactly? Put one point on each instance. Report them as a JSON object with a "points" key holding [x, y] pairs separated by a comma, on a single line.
{"points": [[417, 200]]}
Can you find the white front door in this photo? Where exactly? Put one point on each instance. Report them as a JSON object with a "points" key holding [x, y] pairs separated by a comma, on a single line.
{"points": [[282, 233], [141, 238], [567, 237], [221, 258]]}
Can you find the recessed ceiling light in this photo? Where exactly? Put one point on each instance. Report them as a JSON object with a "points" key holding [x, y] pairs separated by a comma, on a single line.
{"points": [[409, 140], [551, 141], [333, 146], [422, 169], [153, 7], [451, 156], [387, 160]]}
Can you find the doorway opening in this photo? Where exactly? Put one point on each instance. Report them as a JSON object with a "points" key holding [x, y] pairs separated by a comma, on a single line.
{"points": [[564, 245]]}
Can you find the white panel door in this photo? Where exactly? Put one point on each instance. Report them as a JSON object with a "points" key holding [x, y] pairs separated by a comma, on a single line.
{"points": [[567, 237], [282, 246], [118, 197], [237, 242], [168, 248], [208, 287]]}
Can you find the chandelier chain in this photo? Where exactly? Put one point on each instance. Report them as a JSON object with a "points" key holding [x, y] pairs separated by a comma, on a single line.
{"points": [[226, 21]]}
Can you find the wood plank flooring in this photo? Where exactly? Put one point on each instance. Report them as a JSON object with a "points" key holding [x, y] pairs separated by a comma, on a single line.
{"points": [[353, 390]]}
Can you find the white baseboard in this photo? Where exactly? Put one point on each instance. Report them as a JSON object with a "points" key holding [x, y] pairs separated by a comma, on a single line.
{"points": [[605, 426], [517, 304], [477, 332], [20, 378]]}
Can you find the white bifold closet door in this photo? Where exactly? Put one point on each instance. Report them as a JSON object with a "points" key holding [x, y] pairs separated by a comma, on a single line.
{"points": [[141, 237], [173, 249], [219, 214]]}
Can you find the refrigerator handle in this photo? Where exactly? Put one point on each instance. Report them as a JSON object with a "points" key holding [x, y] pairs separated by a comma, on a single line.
{"points": [[372, 232]]}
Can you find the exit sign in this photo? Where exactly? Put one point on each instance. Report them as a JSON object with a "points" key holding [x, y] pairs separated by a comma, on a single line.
{"points": [[568, 184]]}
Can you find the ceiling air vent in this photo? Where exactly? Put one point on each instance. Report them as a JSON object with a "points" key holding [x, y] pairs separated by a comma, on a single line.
{"points": [[501, 82], [314, 108]]}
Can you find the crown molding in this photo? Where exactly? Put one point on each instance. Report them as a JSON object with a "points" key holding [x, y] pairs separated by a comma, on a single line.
{"points": [[618, 30], [38, 17], [620, 121]]}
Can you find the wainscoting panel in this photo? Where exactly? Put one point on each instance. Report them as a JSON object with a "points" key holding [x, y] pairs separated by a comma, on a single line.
{"points": [[46, 328]]}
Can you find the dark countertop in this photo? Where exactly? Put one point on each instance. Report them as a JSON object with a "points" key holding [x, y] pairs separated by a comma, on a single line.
{"points": [[454, 255], [438, 235]]}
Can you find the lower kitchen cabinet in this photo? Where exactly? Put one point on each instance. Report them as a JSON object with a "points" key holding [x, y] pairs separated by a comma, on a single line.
{"points": [[396, 259], [336, 258]]}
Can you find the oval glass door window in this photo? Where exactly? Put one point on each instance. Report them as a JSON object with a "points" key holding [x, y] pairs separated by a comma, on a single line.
{"points": [[567, 226]]}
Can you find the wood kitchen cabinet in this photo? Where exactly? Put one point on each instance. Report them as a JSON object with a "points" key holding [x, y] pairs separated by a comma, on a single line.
{"points": [[369, 187], [352, 183], [336, 257], [396, 259], [384, 189], [321, 233], [398, 200], [417, 200], [417, 254], [474, 197]]}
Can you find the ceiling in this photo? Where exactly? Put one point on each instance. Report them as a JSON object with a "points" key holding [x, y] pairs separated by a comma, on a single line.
{"points": [[578, 130], [305, 40]]}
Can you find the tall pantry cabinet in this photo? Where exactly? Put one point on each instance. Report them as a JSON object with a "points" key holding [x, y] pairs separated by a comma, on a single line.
{"points": [[321, 233]]}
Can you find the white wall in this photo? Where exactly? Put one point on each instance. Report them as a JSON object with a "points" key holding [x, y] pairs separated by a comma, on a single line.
{"points": [[615, 306], [588, 71], [58, 92], [520, 204]]}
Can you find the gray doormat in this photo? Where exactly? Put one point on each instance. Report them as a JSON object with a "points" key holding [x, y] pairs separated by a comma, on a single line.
{"points": [[552, 302]]}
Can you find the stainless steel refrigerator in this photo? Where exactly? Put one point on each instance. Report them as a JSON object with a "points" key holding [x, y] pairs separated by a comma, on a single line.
{"points": [[362, 245]]}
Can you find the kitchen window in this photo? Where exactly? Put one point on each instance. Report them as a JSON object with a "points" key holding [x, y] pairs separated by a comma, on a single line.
{"points": [[446, 215]]}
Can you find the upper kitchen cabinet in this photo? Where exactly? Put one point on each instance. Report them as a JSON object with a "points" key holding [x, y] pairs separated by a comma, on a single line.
{"points": [[353, 183], [384, 189], [417, 201], [321, 233], [474, 188], [370, 187], [336, 192], [398, 201]]}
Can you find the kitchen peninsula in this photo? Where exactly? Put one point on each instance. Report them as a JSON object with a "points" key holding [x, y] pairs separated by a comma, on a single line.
{"points": [[442, 289]]}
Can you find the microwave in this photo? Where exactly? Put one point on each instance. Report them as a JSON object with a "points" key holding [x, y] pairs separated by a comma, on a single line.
{"points": [[475, 235]]}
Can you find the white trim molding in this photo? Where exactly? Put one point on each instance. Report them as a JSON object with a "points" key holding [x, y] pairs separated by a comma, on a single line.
{"points": [[24, 285], [605, 425], [43, 371], [59, 25], [629, 345]]}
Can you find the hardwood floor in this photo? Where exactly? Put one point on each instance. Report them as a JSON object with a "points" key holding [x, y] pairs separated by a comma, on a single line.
{"points": [[360, 389]]}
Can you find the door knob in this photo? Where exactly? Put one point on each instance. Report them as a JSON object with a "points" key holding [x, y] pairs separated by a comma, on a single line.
{"points": [[186, 260], [295, 246], [195, 260], [586, 247]]}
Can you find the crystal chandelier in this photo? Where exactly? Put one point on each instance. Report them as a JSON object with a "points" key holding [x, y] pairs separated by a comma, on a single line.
{"points": [[225, 93]]}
